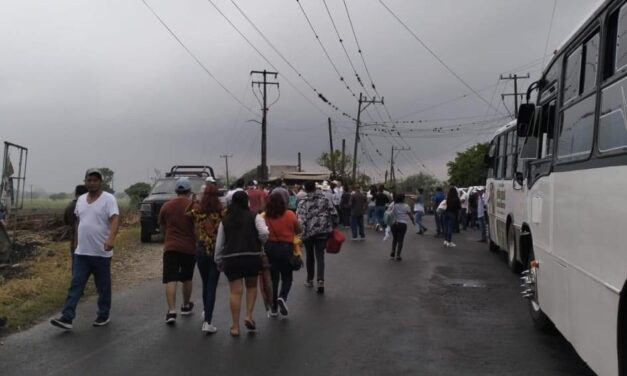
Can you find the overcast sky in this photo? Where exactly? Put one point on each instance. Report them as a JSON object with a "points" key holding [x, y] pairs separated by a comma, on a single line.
{"points": [[103, 83]]}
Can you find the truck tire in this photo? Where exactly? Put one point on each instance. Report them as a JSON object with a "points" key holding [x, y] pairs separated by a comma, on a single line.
{"points": [[145, 235]]}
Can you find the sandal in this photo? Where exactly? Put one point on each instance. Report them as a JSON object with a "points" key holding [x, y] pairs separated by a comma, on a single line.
{"points": [[250, 325], [234, 332]]}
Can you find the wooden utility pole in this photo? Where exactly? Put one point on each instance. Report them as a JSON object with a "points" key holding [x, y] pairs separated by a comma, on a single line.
{"points": [[514, 77], [392, 173], [362, 100], [263, 173], [226, 160], [299, 165], [332, 155], [343, 158]]}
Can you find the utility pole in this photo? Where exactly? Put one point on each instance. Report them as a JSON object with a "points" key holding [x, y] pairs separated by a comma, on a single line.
{"points": [[514, 77], [362, 100], [226, 160], [332, 155], [386, 178], [343, 158], [263, 173], [299, 165], [392, 173]]}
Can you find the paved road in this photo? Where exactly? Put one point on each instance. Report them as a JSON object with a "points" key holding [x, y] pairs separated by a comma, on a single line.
{"points": [[377, 317]]}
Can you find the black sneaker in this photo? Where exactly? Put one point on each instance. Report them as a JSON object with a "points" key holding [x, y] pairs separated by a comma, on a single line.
{"points": [[170, 318], [186, 310], [282, 306], [391, 256], [62, 323], [399, 258], [320, 287], [100, 321]]}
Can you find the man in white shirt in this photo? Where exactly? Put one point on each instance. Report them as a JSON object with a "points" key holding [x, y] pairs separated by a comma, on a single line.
{"points": [[98, 221]]}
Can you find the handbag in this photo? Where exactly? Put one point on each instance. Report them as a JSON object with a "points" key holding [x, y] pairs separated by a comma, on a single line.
{"points": [[335, 241]]}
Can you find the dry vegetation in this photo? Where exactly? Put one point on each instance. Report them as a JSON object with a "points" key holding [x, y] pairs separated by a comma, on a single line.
{"points": [[36, 285]]}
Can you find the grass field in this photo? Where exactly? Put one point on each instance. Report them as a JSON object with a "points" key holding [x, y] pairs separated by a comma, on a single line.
{"points": [[46, 203], [41, 285]]}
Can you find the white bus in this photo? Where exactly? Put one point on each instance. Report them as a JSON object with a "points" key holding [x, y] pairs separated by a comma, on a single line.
{"points": [[505, 204], [573, 237]]}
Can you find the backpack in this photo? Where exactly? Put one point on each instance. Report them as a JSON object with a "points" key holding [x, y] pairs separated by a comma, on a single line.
{"points": [[390, 216]]}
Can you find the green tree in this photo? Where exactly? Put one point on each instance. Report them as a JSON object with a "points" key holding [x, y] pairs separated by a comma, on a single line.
{"points": [[137, 191], [324, 160], [412, 183], [107, 179], [469, 168]]}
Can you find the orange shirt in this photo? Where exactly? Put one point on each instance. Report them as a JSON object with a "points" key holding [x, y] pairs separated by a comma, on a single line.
{"points": [[282, 229]]}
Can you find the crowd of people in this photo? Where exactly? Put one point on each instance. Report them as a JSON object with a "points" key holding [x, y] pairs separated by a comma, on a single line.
{"points": [[248, 235]]}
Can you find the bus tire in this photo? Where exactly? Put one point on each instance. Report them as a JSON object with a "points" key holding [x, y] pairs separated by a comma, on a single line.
{"points": [[512, 263], [145, 235], [540, 320], [622, 332]]}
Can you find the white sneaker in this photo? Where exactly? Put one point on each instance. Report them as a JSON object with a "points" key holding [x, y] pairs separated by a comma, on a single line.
{"points": [[451, 244], [208, 328], [445, 243]]}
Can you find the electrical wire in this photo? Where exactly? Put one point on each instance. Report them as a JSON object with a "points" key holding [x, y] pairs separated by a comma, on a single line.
{"points": [[451, 71], [202, 66], [548, 37]]}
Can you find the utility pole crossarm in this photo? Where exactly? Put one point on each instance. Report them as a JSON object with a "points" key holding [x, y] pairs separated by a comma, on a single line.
{"points": [[515, 94]]}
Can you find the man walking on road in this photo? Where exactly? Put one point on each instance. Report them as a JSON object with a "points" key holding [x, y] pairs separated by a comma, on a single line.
{"points": [[358, 205], [438, 197], [98, 221], [256, 198], [179, 256]]}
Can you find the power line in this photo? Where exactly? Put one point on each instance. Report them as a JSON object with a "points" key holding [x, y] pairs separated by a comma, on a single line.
{"points": [[350, 61], [457, 76], [319, 94], [363, 59], [325, 50], [204, 68], [548, 37]]}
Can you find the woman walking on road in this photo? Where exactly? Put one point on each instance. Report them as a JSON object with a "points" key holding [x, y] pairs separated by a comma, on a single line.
{"points": [[419, 211], [283, 227], [207, 216], [451, 213], [238, 252], [318, 216], [402, 216]]}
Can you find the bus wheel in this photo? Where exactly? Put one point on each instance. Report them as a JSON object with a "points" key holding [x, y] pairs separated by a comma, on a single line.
{"points": [[511, 250], [530, 277]]}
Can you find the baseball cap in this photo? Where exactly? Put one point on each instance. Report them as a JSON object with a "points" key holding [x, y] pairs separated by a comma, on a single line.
{"points": [[210, 179], [93, 171], [183, 185]]}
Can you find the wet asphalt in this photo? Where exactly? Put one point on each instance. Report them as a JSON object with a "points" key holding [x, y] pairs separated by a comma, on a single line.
{"points": [[440, 311]]}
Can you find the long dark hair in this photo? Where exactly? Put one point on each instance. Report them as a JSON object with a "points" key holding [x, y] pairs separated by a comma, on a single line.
{"points": [[275, 207], [239, 206], [210, 203], [452, 196]]}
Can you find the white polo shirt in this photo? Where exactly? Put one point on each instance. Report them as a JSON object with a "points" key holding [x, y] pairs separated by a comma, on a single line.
{"points": [[93, 225]]}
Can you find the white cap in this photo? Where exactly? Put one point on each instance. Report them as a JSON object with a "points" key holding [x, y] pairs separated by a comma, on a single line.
{"points": [[210, 179]]}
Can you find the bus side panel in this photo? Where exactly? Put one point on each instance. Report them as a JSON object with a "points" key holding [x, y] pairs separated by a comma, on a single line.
{"points": [[593, 313]]}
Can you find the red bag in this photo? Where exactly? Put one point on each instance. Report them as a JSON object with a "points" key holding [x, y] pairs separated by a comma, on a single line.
{"points": [[334, 244]]}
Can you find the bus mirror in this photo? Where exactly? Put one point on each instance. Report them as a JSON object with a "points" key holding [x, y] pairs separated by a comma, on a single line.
{"points": [[526, 112]]}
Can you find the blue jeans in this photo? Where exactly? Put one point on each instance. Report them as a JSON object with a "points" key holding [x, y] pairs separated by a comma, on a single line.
{"points": [[379, 212], [82, 268], [210, 275], [419, 224], [357, 224], [371, 215], [450, 219]]}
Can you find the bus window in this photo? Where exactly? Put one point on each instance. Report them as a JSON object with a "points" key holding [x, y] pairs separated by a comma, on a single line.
{"points": [[610, 46], [591, 59], [572, 80], [500, 164], [576, 130], [511, 154], [621, 40], [547, 130]]}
